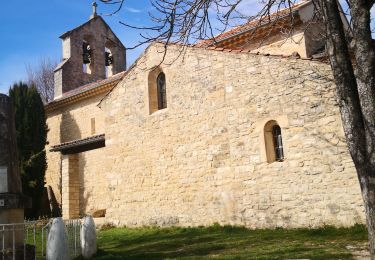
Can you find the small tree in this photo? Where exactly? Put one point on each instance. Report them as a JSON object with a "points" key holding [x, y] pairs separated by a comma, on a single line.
{"points": [[31, 139]]}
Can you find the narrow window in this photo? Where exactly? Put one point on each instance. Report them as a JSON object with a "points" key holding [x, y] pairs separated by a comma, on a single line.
{"points": [[278, 143], [157, 92], [273, 142], [108, 62], [93, 130], [86, 57], [161, 89]]}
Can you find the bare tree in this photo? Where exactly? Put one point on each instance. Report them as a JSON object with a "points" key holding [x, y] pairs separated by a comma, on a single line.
{"points": [[351, 54], [41, 76]]}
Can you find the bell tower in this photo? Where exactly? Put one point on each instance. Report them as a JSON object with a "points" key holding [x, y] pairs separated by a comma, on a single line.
{"points": [[90, 52]]}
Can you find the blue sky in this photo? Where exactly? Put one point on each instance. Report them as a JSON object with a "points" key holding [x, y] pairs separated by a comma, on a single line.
{"points": [[30, 30]]}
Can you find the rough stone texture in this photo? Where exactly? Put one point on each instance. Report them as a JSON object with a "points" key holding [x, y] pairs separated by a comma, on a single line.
{"points": [[202, 159], [57, 241], [305, 42], [88, 238], [72, 123], [280, 45], [69, 73], [70, 186], [276, 38]]}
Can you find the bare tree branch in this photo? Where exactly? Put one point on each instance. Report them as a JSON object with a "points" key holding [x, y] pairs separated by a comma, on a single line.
{"points": [[120, 3], [41, 76]]}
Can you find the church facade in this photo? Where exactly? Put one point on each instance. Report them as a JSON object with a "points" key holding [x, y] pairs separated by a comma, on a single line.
{"points": [[221, 132]]}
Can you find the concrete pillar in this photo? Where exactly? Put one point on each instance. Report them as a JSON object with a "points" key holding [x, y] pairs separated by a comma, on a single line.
{"points": [[57, 243], [70, 186], [88, 238], [12, 202], [9, 169]]}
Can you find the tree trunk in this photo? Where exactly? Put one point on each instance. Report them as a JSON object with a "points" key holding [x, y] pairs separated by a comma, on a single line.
{"points": [[364, 53], [367, 184], [356, 95]]}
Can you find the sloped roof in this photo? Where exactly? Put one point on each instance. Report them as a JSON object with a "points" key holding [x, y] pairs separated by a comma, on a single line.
{"points": [[66, 34], [80, 145], [252, 25], [90, 89], [93, 85]]}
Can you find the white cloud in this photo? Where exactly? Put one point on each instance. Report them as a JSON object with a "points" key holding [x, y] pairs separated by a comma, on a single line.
{"points": [[249, 7], [133, 10], [244, 10]]}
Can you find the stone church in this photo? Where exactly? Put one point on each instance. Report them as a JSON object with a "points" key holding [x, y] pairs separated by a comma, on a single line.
{"points": [[243, 129]]}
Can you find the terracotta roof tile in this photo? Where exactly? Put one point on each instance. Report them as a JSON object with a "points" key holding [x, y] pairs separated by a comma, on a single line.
{"points": [[251, 25], [91, 86], [90, 89]]}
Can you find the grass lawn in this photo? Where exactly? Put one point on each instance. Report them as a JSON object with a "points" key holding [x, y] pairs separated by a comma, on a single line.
{"points": [[229, 243]]}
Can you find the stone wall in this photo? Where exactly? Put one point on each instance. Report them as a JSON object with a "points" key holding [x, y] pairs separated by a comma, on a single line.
{"points": [[202, 160], [279, 37], [306, 40], [280, 45], [70, 186], [73, 122], [93, 173]]}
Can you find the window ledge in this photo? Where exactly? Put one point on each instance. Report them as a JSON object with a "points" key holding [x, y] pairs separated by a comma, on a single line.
{"points": [[159, 112]]}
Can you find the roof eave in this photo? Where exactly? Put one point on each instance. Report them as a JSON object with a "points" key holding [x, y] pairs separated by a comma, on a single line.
{"points": [[248, 30], [81, 145], [81, 95]]}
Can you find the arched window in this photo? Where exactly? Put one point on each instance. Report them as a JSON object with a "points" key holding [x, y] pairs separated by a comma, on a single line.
{"points": [[109, 60], [278, 143], [157, 91], [273, 141], [87, 57], [162, 92]]}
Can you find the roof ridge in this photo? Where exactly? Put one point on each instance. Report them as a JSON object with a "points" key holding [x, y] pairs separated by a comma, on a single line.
{"points": [[252, 23], [97, 82], [86, 90], [242, 51]]}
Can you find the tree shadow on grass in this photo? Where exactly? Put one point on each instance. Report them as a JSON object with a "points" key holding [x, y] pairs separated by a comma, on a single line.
{"points": [[225, 243], [161, 247]]}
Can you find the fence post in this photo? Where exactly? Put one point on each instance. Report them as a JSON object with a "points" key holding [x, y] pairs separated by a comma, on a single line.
{"points": [[57, 243], [88, 238], [14, 243], [3, 240]]}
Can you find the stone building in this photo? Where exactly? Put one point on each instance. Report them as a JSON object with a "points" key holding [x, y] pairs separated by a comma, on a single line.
{"points": [[230, 132]]}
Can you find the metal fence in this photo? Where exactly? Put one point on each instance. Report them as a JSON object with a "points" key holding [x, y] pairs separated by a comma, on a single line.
{"points": [[28, 240], [73, 228]]}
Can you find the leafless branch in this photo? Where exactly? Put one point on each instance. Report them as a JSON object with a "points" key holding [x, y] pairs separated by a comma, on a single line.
{"points": [[120, 3], [41, 76]]}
